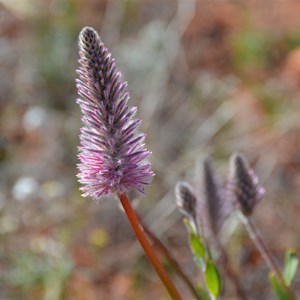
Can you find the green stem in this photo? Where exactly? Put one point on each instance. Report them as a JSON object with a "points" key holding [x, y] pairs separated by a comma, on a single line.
{"points": [[266, 254], [138, 230]]}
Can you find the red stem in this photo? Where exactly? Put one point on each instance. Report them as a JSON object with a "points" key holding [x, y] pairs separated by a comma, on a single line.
{"points": [[138, 230], [164, 251]]}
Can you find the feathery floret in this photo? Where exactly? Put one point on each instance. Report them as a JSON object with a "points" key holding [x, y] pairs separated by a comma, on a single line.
{"points": [[112, 152]]}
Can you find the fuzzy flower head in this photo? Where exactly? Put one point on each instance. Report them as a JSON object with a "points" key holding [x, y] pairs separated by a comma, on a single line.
{"points": [[186, 200], [112, 153], [245, 187]]}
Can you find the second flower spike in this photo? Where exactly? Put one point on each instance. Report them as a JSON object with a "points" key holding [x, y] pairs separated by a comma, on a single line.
{"points": [[244, 186]]}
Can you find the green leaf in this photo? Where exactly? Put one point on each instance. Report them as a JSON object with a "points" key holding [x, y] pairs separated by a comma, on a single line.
{"points": [[290, 266], [277, 288], [198, 249], [203, 294], [212, 279], [197, 245]]}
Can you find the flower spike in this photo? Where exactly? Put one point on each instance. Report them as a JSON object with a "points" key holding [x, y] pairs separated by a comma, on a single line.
{"points": [[247, 191], [112, 153], [186, 200]]}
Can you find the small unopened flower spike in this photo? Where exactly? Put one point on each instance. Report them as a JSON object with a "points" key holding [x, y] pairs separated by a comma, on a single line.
{"points": [[186, 200], [244, 184], [214, 198], [112, 153]]}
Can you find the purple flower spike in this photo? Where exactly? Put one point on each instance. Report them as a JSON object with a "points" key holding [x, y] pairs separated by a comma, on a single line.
{"points": [[112, 152], [246, 190]]}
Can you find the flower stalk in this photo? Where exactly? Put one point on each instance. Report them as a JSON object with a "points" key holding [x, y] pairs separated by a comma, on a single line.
{"points": [[139, 232], [265, 252], [175, 265]]}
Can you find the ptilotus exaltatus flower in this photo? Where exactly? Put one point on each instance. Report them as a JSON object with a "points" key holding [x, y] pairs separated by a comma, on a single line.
{"points": [[245, 187], [112, 152]]}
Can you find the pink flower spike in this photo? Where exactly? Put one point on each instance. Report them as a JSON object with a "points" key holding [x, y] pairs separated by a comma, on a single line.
{"points": [[111, 153]]}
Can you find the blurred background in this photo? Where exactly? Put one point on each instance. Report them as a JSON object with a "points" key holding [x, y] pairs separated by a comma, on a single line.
{"points": [[208, 77]]}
